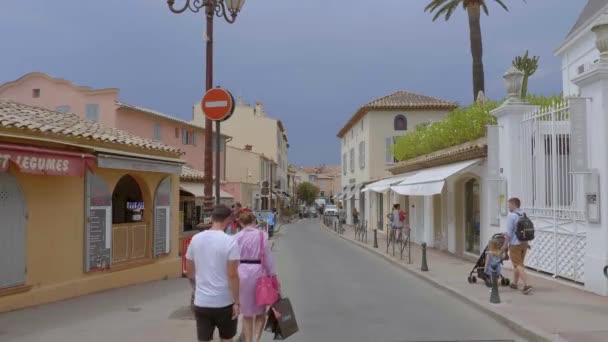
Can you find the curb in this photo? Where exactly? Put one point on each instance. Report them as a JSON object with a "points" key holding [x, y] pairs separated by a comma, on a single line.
{"points": [[527, 331]]}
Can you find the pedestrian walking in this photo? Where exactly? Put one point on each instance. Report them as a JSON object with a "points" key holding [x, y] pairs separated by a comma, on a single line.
{"points": [[253, 244], [517, 248], [272, 218], [212, 263], [397, 220], [355, 217]]}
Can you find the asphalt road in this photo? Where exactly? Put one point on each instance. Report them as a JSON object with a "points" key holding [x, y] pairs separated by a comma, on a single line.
{"points": [[340, 292]]}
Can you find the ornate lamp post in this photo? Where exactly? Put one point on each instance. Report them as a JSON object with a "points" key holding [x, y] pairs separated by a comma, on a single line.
{"points": [[228, 9]]}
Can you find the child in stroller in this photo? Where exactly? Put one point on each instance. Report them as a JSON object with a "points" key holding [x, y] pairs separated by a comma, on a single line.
{"points": [[492, 255]]}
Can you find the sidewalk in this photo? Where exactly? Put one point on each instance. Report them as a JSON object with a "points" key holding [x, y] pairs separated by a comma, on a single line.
{"points": [[553, 311]]}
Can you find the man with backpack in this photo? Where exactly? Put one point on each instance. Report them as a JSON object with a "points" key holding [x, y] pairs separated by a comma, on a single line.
{"points": [[520, 230]]}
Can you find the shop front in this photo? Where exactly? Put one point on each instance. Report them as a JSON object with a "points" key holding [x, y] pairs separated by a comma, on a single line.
{"points": [[82, 214]]}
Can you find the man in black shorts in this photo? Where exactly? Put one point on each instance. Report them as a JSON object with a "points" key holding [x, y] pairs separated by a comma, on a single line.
{"points": [[212, 262]]}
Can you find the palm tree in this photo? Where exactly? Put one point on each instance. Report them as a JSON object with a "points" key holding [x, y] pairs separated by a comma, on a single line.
{"points": [[473, 7]]}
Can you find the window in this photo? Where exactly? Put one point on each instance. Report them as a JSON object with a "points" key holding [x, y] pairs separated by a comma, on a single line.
{"points": [[63, 109], [92, 112], [35, 93], [344, 163], [188, 137], [176, 132], [194, 138], [157, 131], [400, 123], [322, 194], [352, 134], [389, 157], [352, 160], [127, 201], [362, 155]]}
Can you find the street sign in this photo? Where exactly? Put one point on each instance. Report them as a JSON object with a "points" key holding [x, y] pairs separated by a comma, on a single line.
{"points": [[218, 104]]}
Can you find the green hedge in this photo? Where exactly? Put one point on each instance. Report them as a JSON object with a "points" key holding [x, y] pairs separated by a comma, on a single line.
{"points": [[460, 126]]}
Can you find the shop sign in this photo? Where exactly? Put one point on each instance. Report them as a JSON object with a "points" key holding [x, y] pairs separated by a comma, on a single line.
{"points": [[42, 161]]}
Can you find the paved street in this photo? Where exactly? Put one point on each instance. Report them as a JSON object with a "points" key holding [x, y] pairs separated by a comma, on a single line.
{"points": [[339, 292], [342, 293]]}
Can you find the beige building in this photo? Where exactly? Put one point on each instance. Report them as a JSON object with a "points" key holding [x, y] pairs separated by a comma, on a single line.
{"points": [[368, 136], [251, 127], [246, 177]]}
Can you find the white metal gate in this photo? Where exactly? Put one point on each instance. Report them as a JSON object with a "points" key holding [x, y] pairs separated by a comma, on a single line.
{"points": [[12, 232], [550, 193]]}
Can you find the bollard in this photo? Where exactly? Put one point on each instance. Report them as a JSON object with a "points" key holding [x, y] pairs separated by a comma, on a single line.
{"points": [[375, 238], [424, 266], [335, 226], [494, 296]]}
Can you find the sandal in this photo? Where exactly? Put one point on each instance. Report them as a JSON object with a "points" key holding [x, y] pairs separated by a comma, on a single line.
{"points": [[513, 286]]}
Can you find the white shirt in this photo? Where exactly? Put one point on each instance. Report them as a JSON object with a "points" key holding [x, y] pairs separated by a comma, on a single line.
{"points": [[211, 250]]}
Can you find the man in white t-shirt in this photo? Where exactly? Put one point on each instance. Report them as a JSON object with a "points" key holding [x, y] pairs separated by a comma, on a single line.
{"points": [[212, 262]]}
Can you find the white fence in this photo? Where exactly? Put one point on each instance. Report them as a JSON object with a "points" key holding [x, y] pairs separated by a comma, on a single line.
{"points": [[550, 193]]}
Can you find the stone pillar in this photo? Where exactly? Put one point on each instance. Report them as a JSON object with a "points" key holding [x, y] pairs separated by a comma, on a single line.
{"points": [[510, 115], [593, 86], [429, 223], [452, 226]]}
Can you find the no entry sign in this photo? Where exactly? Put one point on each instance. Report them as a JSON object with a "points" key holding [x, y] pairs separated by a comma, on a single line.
{"points": [[218, 104]]}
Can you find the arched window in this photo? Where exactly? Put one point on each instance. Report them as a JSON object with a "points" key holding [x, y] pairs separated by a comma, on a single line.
{"points": [[127, 201], [400, 123]]}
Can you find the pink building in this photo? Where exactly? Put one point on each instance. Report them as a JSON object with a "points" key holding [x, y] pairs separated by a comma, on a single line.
{"points": [[102, 105]]}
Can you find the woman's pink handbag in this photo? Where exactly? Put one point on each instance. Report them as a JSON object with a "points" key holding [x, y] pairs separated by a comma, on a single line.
{"points": [[267, 286]]}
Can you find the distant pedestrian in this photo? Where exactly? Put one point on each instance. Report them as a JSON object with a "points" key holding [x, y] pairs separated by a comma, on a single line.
{"points": [[517, 249], [355, 217], [251, 242], [397, 220], [272, 218], [212, 262]]}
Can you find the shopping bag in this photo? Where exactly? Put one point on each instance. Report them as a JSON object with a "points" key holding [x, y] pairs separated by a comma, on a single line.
{"points": [[271, 322], [286, 324]]}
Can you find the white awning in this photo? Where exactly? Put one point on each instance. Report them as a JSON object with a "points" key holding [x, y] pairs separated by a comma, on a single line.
{"points": [[431, 181], [196, 189], [385, 184], [354, 190]]}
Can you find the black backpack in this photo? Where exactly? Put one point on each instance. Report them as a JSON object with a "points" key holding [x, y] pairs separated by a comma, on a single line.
{"points": [[525, 228]]}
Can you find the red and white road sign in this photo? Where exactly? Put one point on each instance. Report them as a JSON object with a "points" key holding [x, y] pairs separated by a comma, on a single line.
{"points": [[218, 104]]}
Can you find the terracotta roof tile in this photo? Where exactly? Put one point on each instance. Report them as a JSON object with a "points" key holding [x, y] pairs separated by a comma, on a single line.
{"points": [[399, 100], [35, 119], [190, 174]]}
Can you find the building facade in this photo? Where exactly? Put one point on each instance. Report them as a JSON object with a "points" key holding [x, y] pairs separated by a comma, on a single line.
{"points": [[116, 222], [251, 127], [251, 175], [578, 51], [367, 139]]}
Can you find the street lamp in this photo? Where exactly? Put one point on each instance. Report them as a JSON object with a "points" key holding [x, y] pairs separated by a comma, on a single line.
{"points": [[228, 9]]}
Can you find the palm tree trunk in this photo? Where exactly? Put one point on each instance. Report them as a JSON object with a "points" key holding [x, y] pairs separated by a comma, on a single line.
{"points": [[474, 12]]}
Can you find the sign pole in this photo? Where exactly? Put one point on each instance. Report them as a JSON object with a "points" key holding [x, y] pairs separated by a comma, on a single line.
{"points": [[217, 162]]}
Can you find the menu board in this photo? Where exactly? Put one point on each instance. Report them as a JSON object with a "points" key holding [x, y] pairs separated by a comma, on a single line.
{"points": [[98, 228], [99, 243], [162, 218], [161, 222]]}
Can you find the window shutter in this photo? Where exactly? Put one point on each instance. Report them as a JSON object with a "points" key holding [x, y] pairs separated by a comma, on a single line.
{"points": [[389, 154], [194, 138], [92, 112]]}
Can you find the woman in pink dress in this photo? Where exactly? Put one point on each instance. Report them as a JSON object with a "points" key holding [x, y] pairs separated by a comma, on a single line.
{"points": [[250, 270]]}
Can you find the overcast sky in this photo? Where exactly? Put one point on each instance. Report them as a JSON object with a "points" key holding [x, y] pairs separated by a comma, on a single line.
{"points": [[312, 63]]}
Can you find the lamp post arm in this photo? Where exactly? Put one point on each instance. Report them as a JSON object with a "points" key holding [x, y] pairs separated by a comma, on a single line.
{"points": [[221, 11], [194, 5]]}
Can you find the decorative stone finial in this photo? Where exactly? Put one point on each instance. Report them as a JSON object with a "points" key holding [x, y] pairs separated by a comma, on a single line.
{"points": [[600, 28], [513, 79], [481, 98]]}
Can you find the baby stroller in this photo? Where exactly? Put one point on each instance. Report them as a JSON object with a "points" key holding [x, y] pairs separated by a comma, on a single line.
{"points": [[481, 265]]}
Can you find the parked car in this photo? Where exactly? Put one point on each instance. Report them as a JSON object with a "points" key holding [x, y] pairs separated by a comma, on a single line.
{"points": [[331, 210], [312, 212]]}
